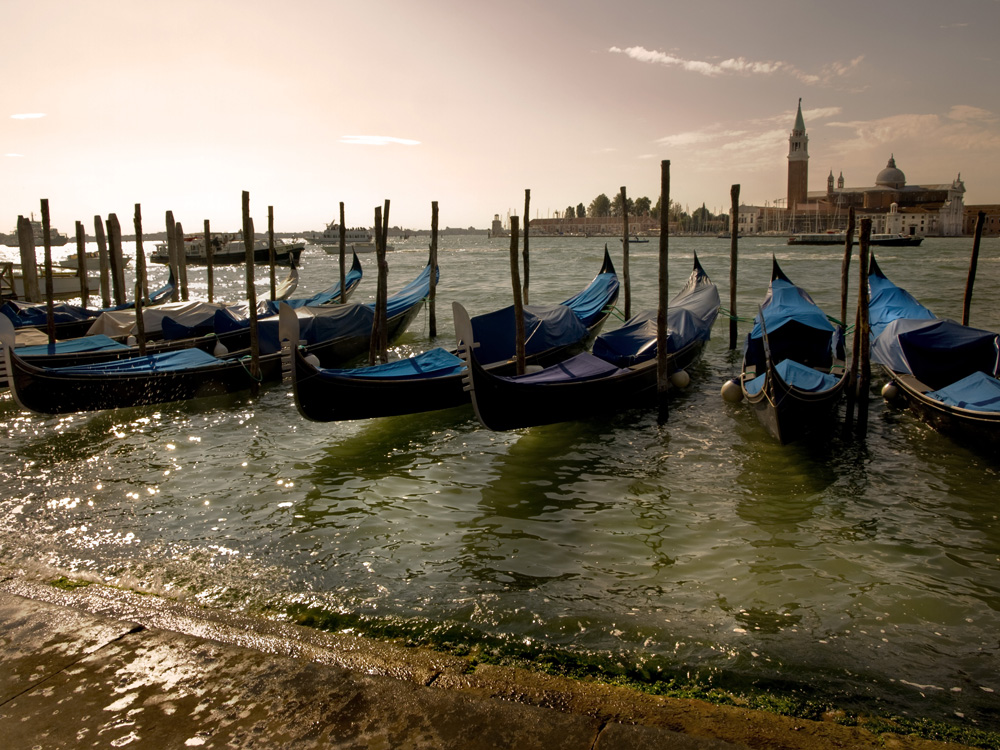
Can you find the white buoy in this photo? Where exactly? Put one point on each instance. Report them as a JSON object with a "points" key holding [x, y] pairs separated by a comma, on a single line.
{"points": [[131, 340], [890, 392], [680, 379], [220, 349], [313, 360], [732, 392]]}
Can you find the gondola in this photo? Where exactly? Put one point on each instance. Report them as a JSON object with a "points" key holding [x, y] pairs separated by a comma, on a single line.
{"points": [[433, 380], [72, 321], [620, 373], [793, 362], [186, 323], [945, 372], [334, 334]]}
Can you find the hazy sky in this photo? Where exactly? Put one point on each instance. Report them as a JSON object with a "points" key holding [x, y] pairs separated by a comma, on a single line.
{"points": [[306, 103]]}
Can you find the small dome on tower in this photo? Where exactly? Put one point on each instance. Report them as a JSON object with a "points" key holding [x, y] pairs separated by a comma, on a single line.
{"points": [[891, 177]]}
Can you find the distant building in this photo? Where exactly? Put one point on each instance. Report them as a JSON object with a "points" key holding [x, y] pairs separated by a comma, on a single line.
{"points": [[891, 204], [991, 225], [497, 230]]}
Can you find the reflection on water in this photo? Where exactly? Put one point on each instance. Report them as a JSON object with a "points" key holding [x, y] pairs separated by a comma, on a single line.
{"points": [[860, 571]]}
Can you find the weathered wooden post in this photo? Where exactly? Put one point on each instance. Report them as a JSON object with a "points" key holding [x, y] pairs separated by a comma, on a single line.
{"points": [[515, 278], [181, 260], [662, 376], [376, 352], [734, 242], [251, 295], [49, 291], [29, 263], [270, 250], [524, 254], [967, 303], [81, 263], [172, 256], [116, 260], [846, 267], [432, 314], [102, 259], [384, 271], [862, 328], [626, 278], [140, 280], [343, 256], [210, 261]]}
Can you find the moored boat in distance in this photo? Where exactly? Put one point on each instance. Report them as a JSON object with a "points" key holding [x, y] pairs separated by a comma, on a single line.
{"points": [[56, 238], [359, 238], [229, 249], [838, 238]]}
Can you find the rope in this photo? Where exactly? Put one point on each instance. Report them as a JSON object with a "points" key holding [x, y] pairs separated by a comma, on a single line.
{"points": [[726, 314], [243, 361]]}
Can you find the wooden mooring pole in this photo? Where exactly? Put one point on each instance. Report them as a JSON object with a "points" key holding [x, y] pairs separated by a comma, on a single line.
{"points": [[432, 297], [524, 254], [515, 278], [973, 262], [116, 259], [209, 261], [662, 376], [734, 232], [845, 269], [251, 295], [81, 264], [49, 290], [343, 256], [102, 258], [29, 262], [181, 260], [270, 250], [140, 278], [626, 278]]}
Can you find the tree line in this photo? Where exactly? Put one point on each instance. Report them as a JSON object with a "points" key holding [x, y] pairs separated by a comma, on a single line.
{"points": [[602, 206]]}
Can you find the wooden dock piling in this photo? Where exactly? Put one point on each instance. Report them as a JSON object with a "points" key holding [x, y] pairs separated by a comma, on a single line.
{"points": [[734, 232], [140, 279], [81, 264], [432, 296], [524, 253], [662, 376], [209, 261], [973, 262], [181, 260], [343, 256], [845, 269], [270, 250], [515, 278], [103, 261], [116, 260], [251, 295], [29, 261], [626, 278], [49, 292]]}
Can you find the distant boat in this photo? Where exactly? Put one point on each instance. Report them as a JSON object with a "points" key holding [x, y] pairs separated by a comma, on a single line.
{"points": [[229, 249], [837, 238], [358, 238], [56, 238], [634, 238]]}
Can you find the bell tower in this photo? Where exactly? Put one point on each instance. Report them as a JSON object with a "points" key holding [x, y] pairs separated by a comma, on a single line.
{"points": [[798, 162]]}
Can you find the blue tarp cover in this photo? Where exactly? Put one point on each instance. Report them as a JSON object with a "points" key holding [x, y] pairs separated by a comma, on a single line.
{"points": [[796, 375], [545, 327], [888, 302], [786, 302], [184, 359], [332, 294], [590, 303], [319, 323], [936, 352], [978, 392], [97, 343], [576, 369], [430, 364], [32, 315], [690, 316]]}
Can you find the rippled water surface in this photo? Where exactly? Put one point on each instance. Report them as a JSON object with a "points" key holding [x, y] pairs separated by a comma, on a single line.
{"points": [[863, 572]]}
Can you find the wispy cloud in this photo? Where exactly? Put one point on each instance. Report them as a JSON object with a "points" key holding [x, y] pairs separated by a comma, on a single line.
{"points": [[376, 140], [963, 127], [740, 65], [28, 116]]}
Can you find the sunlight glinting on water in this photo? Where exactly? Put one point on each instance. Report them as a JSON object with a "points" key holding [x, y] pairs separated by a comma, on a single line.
{"points": [[851, 570]]}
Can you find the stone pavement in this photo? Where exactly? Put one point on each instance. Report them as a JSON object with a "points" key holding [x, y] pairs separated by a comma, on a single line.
{"points": [[101, 667]]}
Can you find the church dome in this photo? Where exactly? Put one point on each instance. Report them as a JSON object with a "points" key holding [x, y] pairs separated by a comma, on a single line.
{"points": [[891, 177]]}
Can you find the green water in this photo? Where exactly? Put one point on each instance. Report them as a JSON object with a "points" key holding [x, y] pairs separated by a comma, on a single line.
{"points": [[861, 573]]}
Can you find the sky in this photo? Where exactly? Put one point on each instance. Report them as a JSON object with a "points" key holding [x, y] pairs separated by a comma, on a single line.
{"points": [[182, 106]]}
